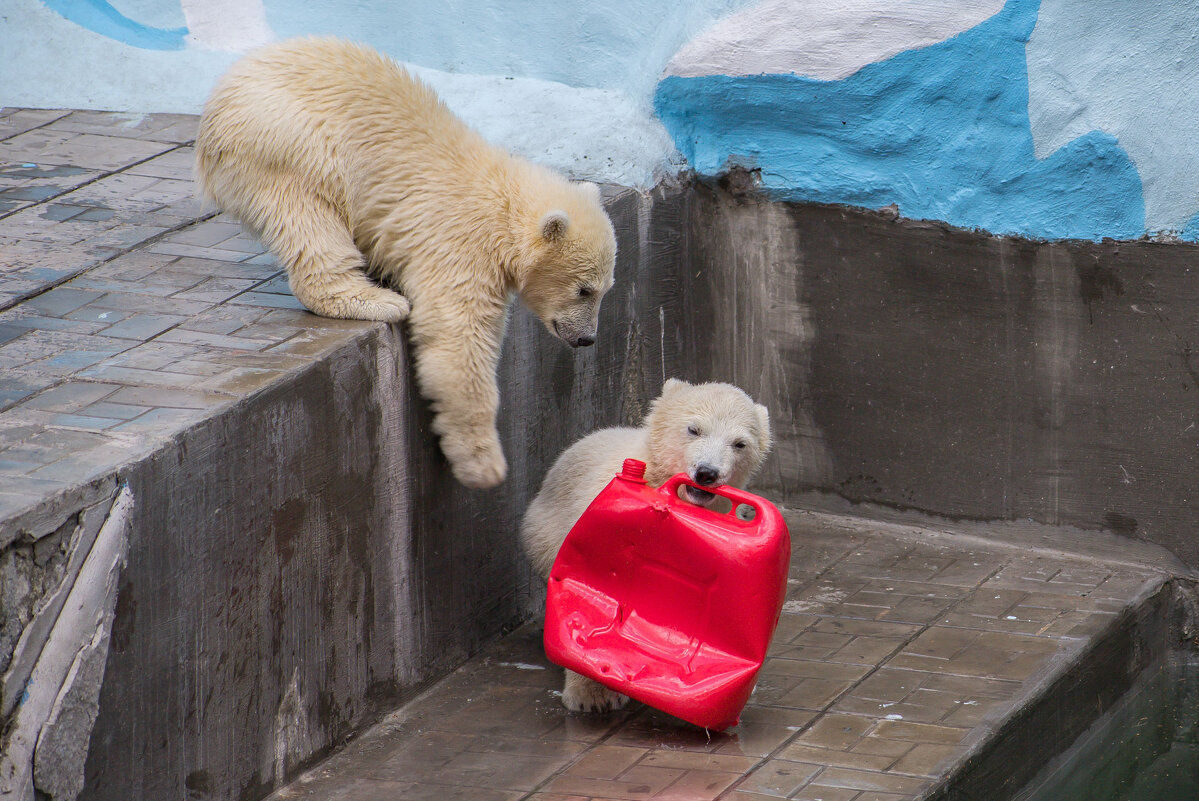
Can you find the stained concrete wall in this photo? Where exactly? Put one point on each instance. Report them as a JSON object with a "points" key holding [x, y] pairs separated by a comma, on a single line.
{"points": [[921, 367], [304, 561]]}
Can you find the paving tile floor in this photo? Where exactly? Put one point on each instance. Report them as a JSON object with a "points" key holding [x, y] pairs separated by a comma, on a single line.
{"points": [[897, 653], [127, 310]]}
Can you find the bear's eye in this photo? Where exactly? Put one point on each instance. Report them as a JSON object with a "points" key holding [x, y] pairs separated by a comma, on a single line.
{"points": [[693, 431], [739, 444], [585, 291]]}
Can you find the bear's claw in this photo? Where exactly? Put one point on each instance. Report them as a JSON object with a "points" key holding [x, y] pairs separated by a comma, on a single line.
{"points": [[353, 303]]}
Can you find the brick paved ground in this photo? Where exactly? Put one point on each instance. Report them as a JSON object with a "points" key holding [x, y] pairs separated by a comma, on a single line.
{"points": [[126, 310], [896, 654]]}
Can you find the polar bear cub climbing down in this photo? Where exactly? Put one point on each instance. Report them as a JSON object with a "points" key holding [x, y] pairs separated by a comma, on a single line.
{"points": [[365, 186], [714, 433]]}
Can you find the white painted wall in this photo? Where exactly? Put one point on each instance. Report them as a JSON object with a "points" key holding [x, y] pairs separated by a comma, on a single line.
{"points": [[820, 39], [565, 84], [620, 45], [1130, 70], [1092, 85]]}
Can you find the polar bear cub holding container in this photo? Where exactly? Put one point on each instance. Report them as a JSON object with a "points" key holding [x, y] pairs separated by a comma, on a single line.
{"points": [[373, 195], [714, 433]]}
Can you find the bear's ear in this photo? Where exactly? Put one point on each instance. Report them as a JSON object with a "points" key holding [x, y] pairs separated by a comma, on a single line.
{"points": [[764, 437], [554, 225], [673, 386]]}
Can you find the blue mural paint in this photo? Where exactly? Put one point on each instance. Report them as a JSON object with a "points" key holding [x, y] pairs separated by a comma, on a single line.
{"points": [[1190, 232], [100, 17], [942, 131]]}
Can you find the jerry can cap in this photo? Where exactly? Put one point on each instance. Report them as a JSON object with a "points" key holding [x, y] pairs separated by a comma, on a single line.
{"points": [[633, 470]]}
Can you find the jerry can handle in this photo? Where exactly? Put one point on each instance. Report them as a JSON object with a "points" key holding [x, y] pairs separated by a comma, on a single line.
{"points": [[738, 497]]}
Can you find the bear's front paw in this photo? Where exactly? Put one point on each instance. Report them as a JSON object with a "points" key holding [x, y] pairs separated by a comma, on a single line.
{"points": [[391, 307], [369, 303], [581, 694], [480, 466], [481, 473]]}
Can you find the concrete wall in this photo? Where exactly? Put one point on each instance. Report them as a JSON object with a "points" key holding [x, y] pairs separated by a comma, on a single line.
{"points": [[303, 561], [263, 611], [919, 367]]}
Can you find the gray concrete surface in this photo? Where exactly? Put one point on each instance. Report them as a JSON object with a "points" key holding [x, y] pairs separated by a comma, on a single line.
{"points": [[914, 366]]}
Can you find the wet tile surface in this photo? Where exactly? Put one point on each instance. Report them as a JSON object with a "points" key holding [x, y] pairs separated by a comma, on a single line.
{"points": [[894, 654], [127, 311]]}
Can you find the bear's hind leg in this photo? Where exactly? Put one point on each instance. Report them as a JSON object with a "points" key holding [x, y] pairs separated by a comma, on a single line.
{"points": [[324, 267], [581, 694]]}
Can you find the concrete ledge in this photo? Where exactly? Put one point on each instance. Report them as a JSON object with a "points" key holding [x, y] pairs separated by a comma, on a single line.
{"points": [[926, 368], [1064, 705]]}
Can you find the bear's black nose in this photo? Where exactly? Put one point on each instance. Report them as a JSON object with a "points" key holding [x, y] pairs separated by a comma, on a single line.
{"points": [[584, 341], [706, 475]]}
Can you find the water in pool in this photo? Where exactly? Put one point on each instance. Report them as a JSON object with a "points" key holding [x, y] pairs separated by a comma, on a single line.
{"points": [[1145, 749]]}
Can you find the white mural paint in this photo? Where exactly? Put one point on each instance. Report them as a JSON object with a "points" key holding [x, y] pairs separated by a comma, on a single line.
{"points": [[587, 134], [235, 25], [1130, 70], [823, 40], [599, 134]]}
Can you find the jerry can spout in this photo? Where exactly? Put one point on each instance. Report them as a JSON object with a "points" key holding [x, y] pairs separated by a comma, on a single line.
{"points": [[633, 470]]}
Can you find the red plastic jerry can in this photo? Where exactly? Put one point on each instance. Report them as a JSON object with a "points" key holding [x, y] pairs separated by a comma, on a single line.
{"points": [[667, 602]]}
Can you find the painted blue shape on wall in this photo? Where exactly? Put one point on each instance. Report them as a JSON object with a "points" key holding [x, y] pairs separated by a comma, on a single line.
{"points": [[1190, 232], [100, 17], [942, 131]]}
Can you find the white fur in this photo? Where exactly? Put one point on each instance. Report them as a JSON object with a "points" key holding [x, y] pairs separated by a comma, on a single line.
{"points": [[721, 414], [365, 186]]}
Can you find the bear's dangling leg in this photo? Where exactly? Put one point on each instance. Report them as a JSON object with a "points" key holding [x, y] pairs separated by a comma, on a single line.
{"points": [[456, 361], [324, 267]]}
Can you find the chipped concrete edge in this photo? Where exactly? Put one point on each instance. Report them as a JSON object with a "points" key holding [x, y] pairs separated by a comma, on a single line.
{"points": [[46, 743], [47, 610]]}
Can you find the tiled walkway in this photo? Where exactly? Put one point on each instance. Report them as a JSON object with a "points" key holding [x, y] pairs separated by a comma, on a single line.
{"points": [[126, 311], [897, 653]]}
